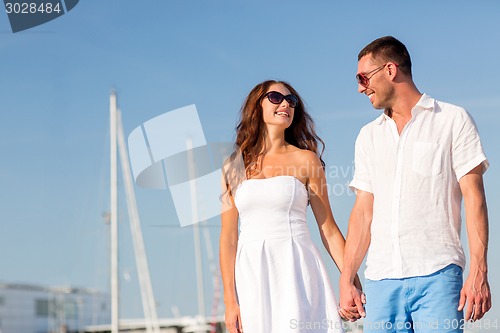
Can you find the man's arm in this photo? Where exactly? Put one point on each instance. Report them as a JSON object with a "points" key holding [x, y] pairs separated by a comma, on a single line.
{"points": [[357, 242], [476, 290]]}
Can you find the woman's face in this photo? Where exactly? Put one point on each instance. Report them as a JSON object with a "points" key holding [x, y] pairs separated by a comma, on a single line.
{"points": [[280, 114]]}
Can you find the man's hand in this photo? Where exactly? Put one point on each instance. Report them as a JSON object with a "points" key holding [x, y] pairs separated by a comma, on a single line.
{"points": [[352, 302], [476, 290], [476, 293]]}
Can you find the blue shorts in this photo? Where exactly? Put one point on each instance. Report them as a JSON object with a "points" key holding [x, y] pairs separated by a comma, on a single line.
{"points": [[416, 304]]}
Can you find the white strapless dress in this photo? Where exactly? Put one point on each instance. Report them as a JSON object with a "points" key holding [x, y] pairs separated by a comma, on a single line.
{"points": [[281, 282]]}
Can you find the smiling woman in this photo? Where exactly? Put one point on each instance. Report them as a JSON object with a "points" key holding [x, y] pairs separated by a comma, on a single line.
{"points": [[273, 273], [251, 130]]}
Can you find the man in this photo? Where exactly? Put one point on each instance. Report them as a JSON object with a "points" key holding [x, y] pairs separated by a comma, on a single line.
{"points": [[413, 165]]}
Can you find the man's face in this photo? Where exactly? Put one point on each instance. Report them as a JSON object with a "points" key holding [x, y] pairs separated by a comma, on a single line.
{"points": [[373, 82]]}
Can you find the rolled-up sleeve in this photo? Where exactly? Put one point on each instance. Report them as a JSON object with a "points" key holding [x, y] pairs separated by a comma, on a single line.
{"points": [[467, 151], [361, 180]]}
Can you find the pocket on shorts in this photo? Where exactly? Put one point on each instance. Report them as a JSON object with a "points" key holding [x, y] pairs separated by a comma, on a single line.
{"points": [[452, 273], [427, 158]]}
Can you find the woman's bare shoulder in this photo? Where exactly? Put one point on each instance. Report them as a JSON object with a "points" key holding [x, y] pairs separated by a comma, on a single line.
{"points": [[304, 155]]}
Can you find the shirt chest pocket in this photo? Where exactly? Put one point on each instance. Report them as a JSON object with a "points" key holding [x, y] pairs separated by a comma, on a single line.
{"points": [[427, 158]]}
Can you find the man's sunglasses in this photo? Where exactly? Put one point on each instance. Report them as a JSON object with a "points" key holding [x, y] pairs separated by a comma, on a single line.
{"points": [[364, 78], [277, 98]]}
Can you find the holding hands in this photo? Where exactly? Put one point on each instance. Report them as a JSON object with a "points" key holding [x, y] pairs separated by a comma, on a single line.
{"points": [[352, 300]]}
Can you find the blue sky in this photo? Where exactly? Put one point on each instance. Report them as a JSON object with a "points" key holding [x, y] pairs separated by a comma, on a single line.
{"points": [[163, 55]]}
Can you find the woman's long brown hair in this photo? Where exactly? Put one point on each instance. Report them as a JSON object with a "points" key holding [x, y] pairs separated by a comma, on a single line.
{"points": [[251, 133]]}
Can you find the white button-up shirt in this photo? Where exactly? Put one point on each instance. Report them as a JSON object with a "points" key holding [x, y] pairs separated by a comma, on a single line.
{"points": [[414, 177]]}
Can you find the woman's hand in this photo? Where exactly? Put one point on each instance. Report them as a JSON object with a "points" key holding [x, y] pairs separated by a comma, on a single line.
{"points": [[233, 319], [352, 302]]}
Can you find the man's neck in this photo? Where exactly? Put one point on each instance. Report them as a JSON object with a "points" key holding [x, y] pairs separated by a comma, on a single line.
{"points": [[401, 110]]}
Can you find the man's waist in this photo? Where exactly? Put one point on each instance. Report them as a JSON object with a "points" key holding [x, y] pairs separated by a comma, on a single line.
{"points": [[396, 266]]}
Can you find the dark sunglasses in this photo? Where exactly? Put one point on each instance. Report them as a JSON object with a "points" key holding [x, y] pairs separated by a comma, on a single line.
{"points": [[363, 78], [277, 98]]}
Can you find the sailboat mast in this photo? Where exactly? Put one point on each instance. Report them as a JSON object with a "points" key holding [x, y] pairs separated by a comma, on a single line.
{"points": [[148, 301], [114, 215], [196, 230]]}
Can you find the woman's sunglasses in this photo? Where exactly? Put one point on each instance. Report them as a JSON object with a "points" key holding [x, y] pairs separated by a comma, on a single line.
{"points": [[277, 98]]}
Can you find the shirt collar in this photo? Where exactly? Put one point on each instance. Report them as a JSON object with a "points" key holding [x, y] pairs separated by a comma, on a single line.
{"points": [[425, 103], [381, 118]]}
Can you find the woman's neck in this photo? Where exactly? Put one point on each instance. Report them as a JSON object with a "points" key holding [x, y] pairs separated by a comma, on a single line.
{"points": [[274, 142]]}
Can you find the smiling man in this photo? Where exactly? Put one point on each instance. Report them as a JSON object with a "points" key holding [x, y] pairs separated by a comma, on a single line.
{"points": [[413, 166]]}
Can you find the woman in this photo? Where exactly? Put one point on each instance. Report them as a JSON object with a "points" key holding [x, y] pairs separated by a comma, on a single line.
{"points": [[273, 276]]}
